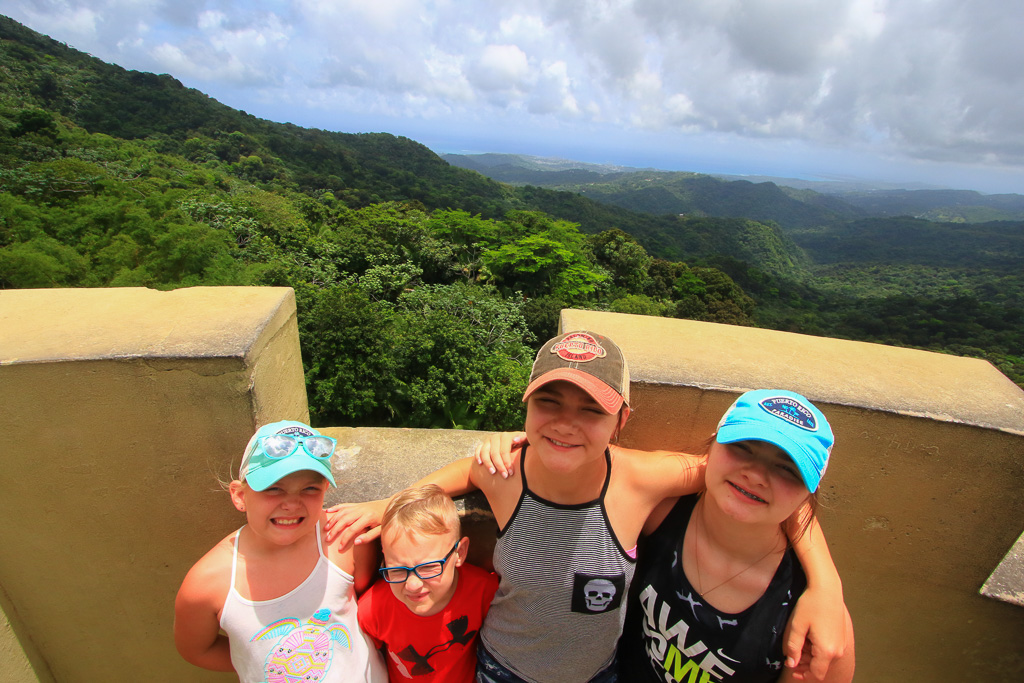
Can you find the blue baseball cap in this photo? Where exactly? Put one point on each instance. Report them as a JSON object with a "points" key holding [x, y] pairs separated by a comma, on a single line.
{"points": [[787, 420], [268, 460]]}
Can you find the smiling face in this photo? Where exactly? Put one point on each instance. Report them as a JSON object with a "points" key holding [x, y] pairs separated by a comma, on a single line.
{"points": [[754, 481], [566, 427], [286, 510], [424, 597]]}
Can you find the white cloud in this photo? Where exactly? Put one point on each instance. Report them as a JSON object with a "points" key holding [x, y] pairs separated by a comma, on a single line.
{"points": [[223, 49], [445, 79], [210, 20], [553, 92], [500, 68], [72, 23], [523, 29], [381, 16], [927, 79], [680, 111]]}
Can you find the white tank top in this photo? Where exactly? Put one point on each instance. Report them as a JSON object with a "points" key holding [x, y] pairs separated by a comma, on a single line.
{"points": [[308, 634]]}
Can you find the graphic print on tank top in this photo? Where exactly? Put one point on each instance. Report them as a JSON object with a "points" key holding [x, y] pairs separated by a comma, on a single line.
{"points": [[678, 636], [595, 594], [304, 651]]}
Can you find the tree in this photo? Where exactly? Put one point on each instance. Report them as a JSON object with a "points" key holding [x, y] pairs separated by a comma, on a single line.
{"points": [[348, 355], [467, 357], [34, 121], [624, 258], [41, 262], [639, 304]]}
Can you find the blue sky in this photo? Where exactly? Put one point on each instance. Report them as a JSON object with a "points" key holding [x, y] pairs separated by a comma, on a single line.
{"points": [[907, 91]]}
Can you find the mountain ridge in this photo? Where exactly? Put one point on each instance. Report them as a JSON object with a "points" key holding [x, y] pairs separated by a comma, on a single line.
{"points": [[680, 192]]}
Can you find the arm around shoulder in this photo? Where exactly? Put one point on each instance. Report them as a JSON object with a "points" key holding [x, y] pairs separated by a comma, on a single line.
{"points": [[840, 670], [461, 476], [360, 560], [820, 614], [664, 474], [360, 522]]}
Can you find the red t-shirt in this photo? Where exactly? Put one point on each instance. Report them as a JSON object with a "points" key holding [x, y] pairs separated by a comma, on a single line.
{"points": [[439, 648]]}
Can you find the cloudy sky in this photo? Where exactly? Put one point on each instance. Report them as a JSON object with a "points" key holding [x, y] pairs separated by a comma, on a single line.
{"points": [[912, 91]]}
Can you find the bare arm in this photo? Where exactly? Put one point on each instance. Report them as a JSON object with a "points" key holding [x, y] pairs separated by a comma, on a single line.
{"points": [[841, 669], [495, 452], [820, 614], [664, 474], [455, 478], [360, 522], [197, 633]]}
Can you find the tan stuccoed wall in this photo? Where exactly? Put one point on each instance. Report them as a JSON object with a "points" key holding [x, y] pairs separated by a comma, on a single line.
{"points": [[15, 666], [132, 402], [118, 410]]}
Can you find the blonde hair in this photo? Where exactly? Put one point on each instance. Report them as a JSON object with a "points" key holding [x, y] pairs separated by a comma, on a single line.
{"points": [[423, 509]]}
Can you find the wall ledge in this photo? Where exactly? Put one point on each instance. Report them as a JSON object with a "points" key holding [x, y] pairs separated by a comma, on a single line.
{"points": [[130, 323], [670, 352], [1006, 583]]}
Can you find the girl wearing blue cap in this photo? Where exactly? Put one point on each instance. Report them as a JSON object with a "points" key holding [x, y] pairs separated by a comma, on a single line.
{"points": [[284, 597], [717, 578]]}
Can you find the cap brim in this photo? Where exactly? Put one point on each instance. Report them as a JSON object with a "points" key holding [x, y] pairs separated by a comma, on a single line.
{"points": [[801, 457], [265, 477], [606, 397]]}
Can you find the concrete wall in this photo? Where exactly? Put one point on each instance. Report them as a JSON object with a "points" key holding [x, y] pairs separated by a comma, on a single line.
{"points": [[120, 408], [15, 666]]}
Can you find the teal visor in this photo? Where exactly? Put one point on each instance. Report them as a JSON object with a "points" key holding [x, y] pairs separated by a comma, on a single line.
{"points": [[275, 456]]}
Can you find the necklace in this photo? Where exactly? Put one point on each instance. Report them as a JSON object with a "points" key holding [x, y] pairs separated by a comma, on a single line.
{"points": [[696, 558]]}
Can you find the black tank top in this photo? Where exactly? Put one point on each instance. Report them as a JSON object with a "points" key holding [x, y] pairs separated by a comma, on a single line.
{"points": [[672, 635]]}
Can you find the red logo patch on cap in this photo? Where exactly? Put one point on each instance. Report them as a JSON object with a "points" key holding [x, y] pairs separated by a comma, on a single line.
{"points": [[578, 347]]}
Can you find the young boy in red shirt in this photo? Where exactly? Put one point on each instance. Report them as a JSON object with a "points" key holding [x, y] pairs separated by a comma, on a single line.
{"points": [[426, 614]]}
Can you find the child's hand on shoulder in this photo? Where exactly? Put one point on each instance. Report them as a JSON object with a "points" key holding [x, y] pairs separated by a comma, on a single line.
{"points": [[495, 452], [356, 523], [813, 637]]}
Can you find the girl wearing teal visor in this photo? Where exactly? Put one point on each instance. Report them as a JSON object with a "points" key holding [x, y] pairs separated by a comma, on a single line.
{"points": [[284, 596]]}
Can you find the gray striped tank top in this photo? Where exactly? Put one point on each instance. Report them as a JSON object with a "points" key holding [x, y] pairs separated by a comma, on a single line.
{"points": [[560, 605]]}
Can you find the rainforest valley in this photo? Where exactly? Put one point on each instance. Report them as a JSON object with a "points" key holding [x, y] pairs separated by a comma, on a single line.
{"points": [[423, 286]]}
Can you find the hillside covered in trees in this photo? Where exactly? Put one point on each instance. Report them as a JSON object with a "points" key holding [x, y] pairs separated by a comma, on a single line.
{"points": [[423, 287]]}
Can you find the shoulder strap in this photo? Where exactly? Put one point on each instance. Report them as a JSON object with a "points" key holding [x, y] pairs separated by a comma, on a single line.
{"points": [[607, 472], [234, 556], [319, 545]]}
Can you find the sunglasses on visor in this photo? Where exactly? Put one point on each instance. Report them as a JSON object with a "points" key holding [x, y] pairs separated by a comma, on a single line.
{"points": [[283, 445]]}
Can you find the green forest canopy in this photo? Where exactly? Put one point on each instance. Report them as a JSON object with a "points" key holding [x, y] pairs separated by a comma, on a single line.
{"points": [[423, 288]]}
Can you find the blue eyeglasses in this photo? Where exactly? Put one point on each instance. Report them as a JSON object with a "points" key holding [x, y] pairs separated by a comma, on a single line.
{"points": [[424, 570], [283, 445]]}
